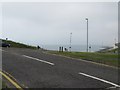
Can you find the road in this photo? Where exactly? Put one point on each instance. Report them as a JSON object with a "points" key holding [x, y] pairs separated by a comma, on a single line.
{"points": [[35, 69]]}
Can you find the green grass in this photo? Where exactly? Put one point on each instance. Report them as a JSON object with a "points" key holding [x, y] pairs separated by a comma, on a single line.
{"points": [[18, 45], [104, 58]]}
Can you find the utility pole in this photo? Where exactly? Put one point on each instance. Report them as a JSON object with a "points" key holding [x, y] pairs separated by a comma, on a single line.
{"points": [[70, 41], [87, 33]]}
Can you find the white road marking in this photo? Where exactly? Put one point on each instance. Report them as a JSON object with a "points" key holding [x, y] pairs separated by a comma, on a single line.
{"points": [[38, 60], [85, 61], [105, 81]]}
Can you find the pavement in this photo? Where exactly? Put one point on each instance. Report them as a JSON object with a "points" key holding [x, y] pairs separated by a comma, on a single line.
{"points": [[35, 69]]}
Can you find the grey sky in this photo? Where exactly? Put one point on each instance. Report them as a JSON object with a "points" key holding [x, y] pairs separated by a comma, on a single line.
{"points": [[51, 23]]}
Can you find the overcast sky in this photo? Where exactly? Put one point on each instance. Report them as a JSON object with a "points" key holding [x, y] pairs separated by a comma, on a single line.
{"points": [[52, 23]]}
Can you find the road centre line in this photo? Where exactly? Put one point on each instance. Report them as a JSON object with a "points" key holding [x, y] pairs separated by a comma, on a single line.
{"points": [[10, 80], [33, 58], [38, 60], [93, 77], [105, 81]]}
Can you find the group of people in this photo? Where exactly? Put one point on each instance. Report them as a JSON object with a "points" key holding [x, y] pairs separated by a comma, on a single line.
{"points": [[61, 49]]}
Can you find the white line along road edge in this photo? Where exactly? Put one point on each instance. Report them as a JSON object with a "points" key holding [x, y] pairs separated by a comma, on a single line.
{"points": [[105, 81], [38, 59]]}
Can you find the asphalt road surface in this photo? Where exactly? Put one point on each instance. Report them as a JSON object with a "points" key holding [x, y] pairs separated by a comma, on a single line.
{"points": [[35, 69]]}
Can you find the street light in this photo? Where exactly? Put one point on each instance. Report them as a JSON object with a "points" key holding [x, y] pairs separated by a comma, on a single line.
{"points": [[87, 33], [70, 41]]}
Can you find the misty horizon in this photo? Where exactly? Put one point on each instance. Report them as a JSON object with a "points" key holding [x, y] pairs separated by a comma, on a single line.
{"points": [[52, 23]]}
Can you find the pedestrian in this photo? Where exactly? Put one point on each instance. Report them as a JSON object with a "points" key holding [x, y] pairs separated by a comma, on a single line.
{"points": [[38, 47]]}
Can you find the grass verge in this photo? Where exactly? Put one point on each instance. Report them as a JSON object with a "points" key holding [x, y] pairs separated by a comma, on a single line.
{"points": [[18, 45], [104, 58]]}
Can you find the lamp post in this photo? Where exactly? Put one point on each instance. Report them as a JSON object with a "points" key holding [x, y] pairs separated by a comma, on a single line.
{"points": [[87, 33], [70, 41]]}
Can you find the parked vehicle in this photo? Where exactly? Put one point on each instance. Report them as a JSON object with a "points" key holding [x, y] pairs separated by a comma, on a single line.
{"points": [[5, 44]]}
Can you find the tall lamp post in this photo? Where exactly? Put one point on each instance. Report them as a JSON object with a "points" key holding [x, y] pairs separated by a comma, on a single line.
{"points": [[87, 33], [70, 41]]}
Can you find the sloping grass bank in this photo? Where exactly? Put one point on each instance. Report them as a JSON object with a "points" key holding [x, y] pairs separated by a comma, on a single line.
{"points": [[18, 45], [104, 58]]}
